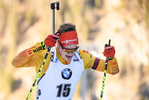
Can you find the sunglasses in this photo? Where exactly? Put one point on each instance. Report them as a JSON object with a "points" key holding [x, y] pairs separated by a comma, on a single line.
{"points": [[67, 50]]}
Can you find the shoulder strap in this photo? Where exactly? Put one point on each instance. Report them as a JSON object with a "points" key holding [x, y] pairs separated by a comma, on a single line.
{"points": [[79, 57]]}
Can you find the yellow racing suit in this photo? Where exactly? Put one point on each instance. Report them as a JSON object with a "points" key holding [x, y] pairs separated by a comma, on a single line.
{"points": [[33, 57]]}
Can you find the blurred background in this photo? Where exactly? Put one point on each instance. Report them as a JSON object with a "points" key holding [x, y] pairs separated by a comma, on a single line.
{"points": [[23, 23]]}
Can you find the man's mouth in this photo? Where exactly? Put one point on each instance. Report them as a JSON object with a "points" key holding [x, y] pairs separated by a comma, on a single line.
{"points": [[68, 56]]}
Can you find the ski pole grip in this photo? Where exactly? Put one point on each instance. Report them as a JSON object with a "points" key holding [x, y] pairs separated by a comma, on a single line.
{"points": [[53, 5], [57, 4], [109, 42]]}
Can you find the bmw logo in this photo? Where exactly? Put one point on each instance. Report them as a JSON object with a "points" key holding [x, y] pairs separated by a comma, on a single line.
{"points": [[66, 73]]}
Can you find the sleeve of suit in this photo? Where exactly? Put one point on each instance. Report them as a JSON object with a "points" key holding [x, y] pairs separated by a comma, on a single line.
{"points": [[90, 61], [32, 57]]}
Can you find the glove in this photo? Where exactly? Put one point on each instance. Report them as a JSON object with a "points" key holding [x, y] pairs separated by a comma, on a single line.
{"points": [[51, 40], [109, 51]]}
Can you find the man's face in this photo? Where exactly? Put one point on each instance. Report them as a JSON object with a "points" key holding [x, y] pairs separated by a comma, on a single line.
{"points": [[67, 56]]}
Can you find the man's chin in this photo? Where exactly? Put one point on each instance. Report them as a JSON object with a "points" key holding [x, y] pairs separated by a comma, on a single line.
{"points": [[68, 59]]}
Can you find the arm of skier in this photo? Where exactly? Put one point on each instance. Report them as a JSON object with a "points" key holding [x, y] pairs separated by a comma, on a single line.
{"points": [[90, 61], [109, 52], [30, 57], [34, 56], [112, 67]]}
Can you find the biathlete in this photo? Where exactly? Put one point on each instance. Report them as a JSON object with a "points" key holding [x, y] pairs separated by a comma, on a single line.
{"points": [[64, 64]]}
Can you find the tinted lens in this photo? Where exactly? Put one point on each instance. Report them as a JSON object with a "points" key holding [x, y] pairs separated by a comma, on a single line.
{"points": [[70, 50]]}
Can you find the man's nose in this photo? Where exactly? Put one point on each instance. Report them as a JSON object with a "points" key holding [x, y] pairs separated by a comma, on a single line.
{"points": [[70, 53]]}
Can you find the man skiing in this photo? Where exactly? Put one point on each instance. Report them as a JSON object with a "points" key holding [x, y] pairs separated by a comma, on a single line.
{"points": [[64, 64]]}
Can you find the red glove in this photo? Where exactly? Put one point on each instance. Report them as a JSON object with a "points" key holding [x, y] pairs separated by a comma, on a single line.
{"points": [[51, 40], [109, 51]]}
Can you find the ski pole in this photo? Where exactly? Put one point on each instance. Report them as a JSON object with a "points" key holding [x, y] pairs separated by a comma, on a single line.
{"points": [[104, 77], [53, 31], [38, 74], [53, 17]]}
